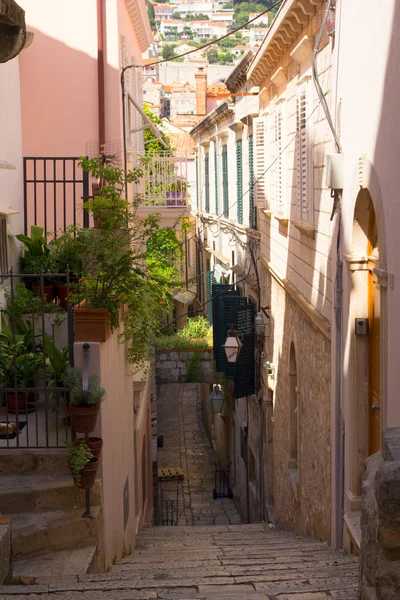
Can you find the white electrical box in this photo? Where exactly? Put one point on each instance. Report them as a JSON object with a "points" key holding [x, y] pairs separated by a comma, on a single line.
{"points": [[361, 326], [335, 171]]}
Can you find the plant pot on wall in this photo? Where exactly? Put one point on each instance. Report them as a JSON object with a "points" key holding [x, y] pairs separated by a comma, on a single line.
{"points": [[18, 403], [48, 292], [84, 417], [94, 444], [92, 324], [88, 474]]}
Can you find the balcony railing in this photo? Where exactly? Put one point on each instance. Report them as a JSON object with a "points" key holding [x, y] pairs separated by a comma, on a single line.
{"points": [[165, 180]]}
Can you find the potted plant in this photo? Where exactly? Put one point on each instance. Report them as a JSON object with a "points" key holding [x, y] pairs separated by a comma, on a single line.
{"points": [[95, 445], [83, 407], [176, 192], [35, 260], [19, 370], [83, 465]]}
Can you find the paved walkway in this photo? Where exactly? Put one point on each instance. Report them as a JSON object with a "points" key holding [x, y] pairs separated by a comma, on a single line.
{"points": [[186, 446]]}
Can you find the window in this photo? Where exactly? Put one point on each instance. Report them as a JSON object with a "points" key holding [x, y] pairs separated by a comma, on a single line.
{"points": [[239, 180], [279, 163], [225, 180], [216, 178], [3, 247], [252, 208], [260, 196], [207, 181], [303, 162]]}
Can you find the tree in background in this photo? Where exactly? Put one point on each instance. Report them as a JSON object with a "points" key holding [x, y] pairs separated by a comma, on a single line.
{"points": [[151, 143], [151, 14], [168, 51]]}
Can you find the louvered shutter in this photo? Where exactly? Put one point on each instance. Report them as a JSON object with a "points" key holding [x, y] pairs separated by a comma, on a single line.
{"points": [[231, 303], [219, 290], [303, 205], [197, 183], [207, 182], [210, 282], [252, 208], [239, 180], [260, 188], [244, 381], [216, 178], [279, 174], [225, 180]]}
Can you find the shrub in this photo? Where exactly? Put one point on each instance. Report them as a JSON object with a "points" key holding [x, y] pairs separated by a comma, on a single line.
{"points": [[196, 328]]}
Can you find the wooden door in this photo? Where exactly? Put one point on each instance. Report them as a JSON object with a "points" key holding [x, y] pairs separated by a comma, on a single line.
{"points": [[374, 364]]}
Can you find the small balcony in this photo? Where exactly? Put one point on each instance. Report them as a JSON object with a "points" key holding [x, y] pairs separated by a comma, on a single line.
{"points": [[164, 187]]}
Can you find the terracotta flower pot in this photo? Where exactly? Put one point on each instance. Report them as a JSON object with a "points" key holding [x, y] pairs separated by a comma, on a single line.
{"points": [[94, 444], [48, 292], [84, 417], [91, 324], [88, 474], [18, 403], [61, 294]]}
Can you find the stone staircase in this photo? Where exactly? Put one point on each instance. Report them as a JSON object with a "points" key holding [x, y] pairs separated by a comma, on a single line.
{"points": [[51, 541], [242, 562]]}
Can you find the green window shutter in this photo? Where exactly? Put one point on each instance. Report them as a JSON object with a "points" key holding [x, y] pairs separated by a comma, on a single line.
{"points": [[225, 180], [239, 180], [244, 381], [197, 183], [210, 282], [220, 328], [252, 208], [216, 179], [207, 181]]}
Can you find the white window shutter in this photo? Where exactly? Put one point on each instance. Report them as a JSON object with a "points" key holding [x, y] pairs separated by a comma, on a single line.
{"points": [[279, 163], [260, 177], [302, 158]]}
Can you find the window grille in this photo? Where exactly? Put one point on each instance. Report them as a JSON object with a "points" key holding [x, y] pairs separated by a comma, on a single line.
{"points": [[3, 248], [225, 180], [304, 205], [207, 181], [239, 180], [279, 172], [260, 188]]}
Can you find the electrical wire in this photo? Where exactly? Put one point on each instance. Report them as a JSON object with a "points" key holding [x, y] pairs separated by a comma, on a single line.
{"points": [[160, 62], [318, 87], [205, 303]]}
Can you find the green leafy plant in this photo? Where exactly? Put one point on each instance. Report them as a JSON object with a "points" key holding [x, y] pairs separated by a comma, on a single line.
{"points": [[176, 342], [36, 253], [74, 383], [196, 328], [194, 371], [79, 457], [24, 302], [19, 367]]}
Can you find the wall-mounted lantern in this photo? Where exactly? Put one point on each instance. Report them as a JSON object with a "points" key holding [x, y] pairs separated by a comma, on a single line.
{"points": [[217, 399], [232, 346]]}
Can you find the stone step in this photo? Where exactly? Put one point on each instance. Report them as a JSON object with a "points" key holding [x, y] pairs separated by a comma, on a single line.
{"points": [[24, 493], [52, 530], [56, 567], [20, 461]]}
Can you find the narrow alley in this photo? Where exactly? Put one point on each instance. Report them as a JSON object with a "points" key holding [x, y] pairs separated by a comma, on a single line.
{"points": [[186, 446], [211, 554]]}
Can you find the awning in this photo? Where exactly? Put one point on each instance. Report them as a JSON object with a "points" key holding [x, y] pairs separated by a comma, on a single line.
{"points": [[184, 296], [13, 34], [146, 119]]}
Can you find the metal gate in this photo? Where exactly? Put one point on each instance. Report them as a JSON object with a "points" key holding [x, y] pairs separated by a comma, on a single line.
{"points": [[54, 191], [36, 347]]}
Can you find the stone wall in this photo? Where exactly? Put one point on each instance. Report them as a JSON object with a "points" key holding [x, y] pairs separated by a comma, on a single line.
{"points": [[380, 522], [172, 366], [5, 552]]}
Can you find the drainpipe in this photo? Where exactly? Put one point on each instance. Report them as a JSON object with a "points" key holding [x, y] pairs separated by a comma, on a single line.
{"points": [[100, 76]]}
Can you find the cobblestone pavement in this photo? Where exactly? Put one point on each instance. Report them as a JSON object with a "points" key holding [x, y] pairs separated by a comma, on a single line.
{"points": [[237, 562], [186, 446]]}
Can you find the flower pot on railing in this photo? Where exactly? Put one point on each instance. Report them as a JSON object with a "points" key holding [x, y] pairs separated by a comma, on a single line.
{"points": [[175, 198], [17, 403], [84, 417], [88, 474], [48, 292], [94, 444], [91, 324], [62, 295]]}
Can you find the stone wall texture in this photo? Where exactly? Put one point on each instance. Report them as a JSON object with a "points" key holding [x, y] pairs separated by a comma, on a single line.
{"points": [[380, 522], [172, 366], [305, 507], [5, 554]]}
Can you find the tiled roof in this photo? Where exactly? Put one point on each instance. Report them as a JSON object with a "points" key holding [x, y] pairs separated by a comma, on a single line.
{"points": [[217, 90]]}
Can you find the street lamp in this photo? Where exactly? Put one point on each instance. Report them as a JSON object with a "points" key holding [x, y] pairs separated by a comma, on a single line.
{"points": [[232, 346], [217, 399]]}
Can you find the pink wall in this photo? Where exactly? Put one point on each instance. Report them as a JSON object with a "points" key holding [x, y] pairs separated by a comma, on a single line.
{"points": [[59, 78]]}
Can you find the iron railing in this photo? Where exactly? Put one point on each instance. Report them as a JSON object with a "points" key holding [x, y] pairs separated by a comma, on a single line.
{"points": [[54, 191], [36, 347], [164, 181]]}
